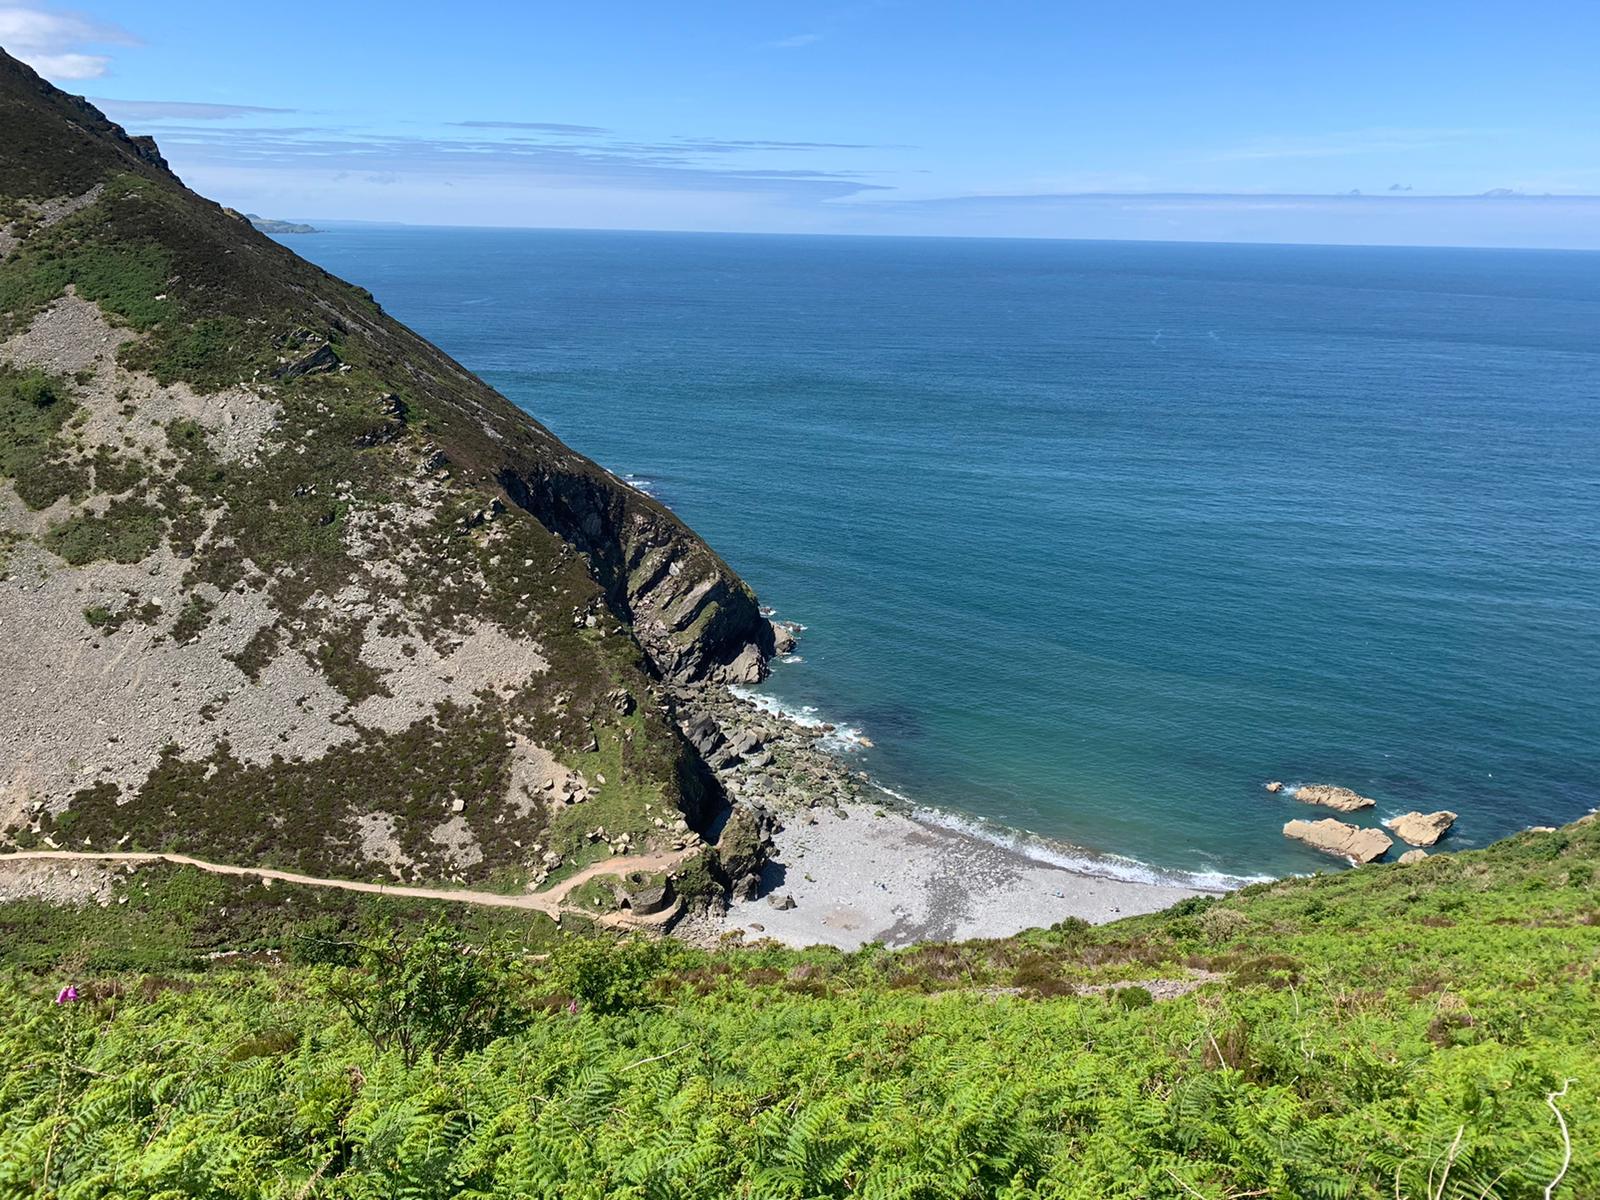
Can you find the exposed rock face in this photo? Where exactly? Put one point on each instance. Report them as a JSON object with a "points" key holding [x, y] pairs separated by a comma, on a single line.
{"points": [[644, 896], [1421, 829], [281, 582], [1275, 786], [1342, 799], [690, 613], [1350, 842], [314, 361], [704, 735], [744, 846], [1411, 856]]}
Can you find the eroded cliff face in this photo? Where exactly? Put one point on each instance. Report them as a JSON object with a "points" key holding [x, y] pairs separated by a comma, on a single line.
{"points": [[281, 582]]}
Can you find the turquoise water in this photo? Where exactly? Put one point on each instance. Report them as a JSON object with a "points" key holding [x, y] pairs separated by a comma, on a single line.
{"points": [[1091, 539]]}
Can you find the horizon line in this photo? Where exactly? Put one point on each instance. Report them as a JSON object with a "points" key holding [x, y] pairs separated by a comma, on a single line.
{"points": [[969, 237]]}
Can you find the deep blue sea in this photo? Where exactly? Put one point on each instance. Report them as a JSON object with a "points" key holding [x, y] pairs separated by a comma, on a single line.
{"points": [[1092, 539]]}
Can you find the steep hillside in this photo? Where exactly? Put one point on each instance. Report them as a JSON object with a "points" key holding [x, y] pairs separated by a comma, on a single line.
{"points": [[1428, 1030], [280, 582]]}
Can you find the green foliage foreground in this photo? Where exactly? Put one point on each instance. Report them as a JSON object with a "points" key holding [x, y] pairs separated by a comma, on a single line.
{"points": [[1425, 1031]]}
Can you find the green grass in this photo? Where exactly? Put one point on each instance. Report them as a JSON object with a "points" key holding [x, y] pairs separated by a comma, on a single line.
{"points": [[597, 895], [173, 919], [1407, 1031]]}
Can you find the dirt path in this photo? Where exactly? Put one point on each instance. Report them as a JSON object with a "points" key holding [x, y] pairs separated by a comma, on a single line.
{"points": [[550, 903]]}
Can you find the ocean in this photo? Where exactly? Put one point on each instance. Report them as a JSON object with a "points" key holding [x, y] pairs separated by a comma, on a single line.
{"points": [[1092, 539]]}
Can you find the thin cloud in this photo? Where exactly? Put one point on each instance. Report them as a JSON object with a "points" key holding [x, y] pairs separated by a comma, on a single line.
{"points": [[180, 110], [535, 126], [547, 164], [53, 43], [795, 42], [729, 145]]}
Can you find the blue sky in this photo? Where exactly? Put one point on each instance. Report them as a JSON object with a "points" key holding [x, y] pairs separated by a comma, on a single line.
{"points": [[1225, 120]]}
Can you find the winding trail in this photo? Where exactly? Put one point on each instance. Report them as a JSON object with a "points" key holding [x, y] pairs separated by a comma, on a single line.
{"points": [[551, 903]]}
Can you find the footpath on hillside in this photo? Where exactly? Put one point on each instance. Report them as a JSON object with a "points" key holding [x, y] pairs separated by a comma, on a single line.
{"points": [[551, 903]]}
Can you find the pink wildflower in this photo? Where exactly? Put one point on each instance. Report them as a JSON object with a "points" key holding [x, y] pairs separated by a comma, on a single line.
{"points": [[67, 994], [572, 1007]]}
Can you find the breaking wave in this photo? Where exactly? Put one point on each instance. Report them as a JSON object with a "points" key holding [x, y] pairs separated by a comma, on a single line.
{"points": [[1078, 860], [845, 739]]}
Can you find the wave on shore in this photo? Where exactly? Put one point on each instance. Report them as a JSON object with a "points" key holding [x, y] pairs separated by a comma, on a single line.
{"points": [[640, 484], [841, 739], [1076, 859], [850, 739]]}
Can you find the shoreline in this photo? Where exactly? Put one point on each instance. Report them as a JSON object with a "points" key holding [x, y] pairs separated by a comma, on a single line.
{"points": [[851, 863], [860, 873]]}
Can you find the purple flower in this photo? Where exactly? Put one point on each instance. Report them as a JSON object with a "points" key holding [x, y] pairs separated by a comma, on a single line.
{"points": [[572, 1007], [67, 994]]}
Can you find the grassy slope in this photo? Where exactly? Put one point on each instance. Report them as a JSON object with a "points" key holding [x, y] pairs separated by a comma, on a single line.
{"points": [[1388, 1031]]}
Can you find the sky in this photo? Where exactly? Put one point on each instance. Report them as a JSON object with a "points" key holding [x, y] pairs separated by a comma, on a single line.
{"points": [[1454, 123]]}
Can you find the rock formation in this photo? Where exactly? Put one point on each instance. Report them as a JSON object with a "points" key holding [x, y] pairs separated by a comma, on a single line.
{"points": [[1421, 829], [1352, 842], [1342, 799]]}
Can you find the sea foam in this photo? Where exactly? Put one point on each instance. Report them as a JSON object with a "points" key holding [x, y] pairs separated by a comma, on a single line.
{"points": [[846, 739], [1077, 859]]}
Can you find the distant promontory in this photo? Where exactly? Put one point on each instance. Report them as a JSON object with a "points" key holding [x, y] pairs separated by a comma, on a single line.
{"points": [[271, 225]]}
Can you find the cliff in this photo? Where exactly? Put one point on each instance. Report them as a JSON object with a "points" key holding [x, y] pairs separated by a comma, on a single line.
{"points": [[282, 582]]}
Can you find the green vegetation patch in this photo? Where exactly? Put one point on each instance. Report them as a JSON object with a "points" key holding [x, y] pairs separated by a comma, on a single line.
{"points": [[110, 618], [440, 1061], [34, 408], [167, 918], [127, 276], [127, 532]]}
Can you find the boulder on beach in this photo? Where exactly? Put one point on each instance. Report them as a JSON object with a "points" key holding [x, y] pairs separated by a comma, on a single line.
{"points": [[1275, 786], [1351, 842], [1421, 829], [1411, 856], [1329, 796]]}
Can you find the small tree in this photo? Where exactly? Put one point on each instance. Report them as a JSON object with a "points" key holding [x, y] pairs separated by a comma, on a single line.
{"points": [[430, 993], [606, 976]]}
